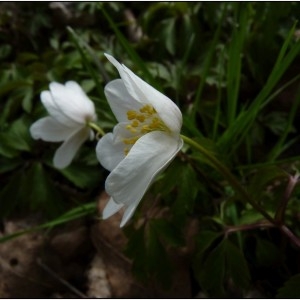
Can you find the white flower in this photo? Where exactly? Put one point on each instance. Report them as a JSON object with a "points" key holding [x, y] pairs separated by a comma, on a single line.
{"points": [[70, 110], [142, 144]]}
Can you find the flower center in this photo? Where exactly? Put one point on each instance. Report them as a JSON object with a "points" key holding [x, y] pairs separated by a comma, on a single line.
{"points": [[143, 121]]}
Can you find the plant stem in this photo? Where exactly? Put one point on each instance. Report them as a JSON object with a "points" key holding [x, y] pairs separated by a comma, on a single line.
{"points": [[245, 227], [228, 175], [97, 128], [245, 196], [290, 235]]}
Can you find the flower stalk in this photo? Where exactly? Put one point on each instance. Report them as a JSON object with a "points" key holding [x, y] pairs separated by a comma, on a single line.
{"points": [[245, 196], [97, 128], [228, 175]]}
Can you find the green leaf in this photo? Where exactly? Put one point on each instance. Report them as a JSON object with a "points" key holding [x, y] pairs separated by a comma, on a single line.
{"points": [[150, 260], [267, 253], [155, 252], [291, 289], [235, 62], [11, 194], [168, 34], [249, 216], [236, 266], [39, 192], [27, 99], [211, 275], [225, 262], [136, 249], [236, 132], [187, 191], [204, 240], [82, 176], [18, 136], [7, 165], [6, 147]]}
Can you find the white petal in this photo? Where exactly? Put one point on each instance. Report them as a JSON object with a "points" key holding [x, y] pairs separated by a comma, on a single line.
{"points": [[145, 93], [72, 102], [128, 182], [120, 100], [110, 152], [128, 213], [67, 151], [48, 129], [55, 112], [75, 88], [111, 208]]}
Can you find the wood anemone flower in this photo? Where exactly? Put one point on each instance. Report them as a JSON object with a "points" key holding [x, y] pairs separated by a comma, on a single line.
{"points": [[70, 112], [142, 144]]}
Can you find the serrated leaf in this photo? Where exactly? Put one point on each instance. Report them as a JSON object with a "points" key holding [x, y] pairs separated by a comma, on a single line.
{"points": [[291, 289], [224, 262]]}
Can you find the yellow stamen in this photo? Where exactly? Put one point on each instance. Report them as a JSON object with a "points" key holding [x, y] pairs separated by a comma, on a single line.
{"points": [[131, 114], [130, 141], [135, 123], [140, 118], [143, 121]]}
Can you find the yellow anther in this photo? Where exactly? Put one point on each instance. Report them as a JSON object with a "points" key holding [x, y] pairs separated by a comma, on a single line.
{"points": [[144, 109], [145, 129], [155, 124], [141, 118], [131, 129], [143, 121], [131, 114], [135, 123], [130, 141], [148, 109]]}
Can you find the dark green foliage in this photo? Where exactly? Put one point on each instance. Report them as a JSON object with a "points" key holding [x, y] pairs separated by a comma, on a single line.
{"points": [[290, 290], [223, 266], [233, 70]]}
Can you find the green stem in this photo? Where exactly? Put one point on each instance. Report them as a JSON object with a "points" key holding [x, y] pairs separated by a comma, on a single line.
{"points": [[97, 128], [228, 175]]}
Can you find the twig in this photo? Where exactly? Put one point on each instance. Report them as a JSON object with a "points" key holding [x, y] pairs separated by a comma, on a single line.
{"points": [[258, 225], [280, 213]]}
